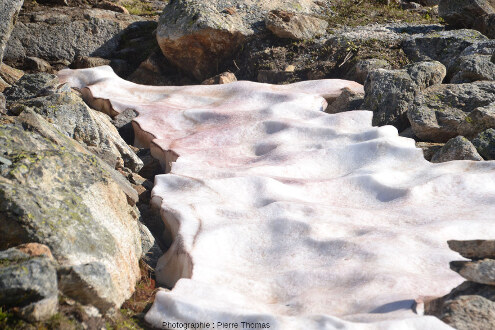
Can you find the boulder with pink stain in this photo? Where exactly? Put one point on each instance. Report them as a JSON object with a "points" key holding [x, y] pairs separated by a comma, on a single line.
{"points": [[198, 36]]}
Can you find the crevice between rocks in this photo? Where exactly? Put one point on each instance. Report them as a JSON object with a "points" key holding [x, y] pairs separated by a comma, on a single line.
{"points": [[175, 261]]}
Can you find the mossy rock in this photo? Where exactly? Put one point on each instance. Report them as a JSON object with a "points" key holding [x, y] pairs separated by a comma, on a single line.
{"points": [[56, 193]]}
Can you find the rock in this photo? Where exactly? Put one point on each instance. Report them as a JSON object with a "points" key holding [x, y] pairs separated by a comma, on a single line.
{"points": [[289, 25], [37, 64], [138, 42], [464, 13], [50, 34], [56, 193], [486, 47], [9, 75], [122, 67], [151, 165], [469, 306], [137, 179], [275, 76], [83, 62], [123, 123], [28, 282], [478, 120], [486, 25], [361, 69], [339, 54], [147, 239], [429, 3], [150, 72], [152, 219], [110, 139], [410, 5], [152, 256], [71, 116], [111, 6], [439, 113], [222, 78], [429, 149], [480, 271], [408, 133], [426, 74], [442, 46], [54, 2], [389, 93], [3, 85], [475, 249], [348, 100], [3, 110], [36, 250], [290, 68], [9, 9], [457, 148], [472, 68], [485, 144], [198, 36], [41, 310], [158, 71], [32, 86], [89, 284], [60, 65]]}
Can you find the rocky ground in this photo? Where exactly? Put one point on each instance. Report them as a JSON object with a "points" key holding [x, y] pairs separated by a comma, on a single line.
{"points": [[75, 242]]}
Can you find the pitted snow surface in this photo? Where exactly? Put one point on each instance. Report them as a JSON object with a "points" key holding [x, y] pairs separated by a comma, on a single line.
{"points": [[285, 215]]}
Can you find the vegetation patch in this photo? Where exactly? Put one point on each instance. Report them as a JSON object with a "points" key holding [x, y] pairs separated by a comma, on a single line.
{"points": [[141, 8], [363, 12]]}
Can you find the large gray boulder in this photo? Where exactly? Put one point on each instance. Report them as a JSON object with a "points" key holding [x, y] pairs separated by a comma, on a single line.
{"points": [[71, 116], [458, 148], [388, 93], [464, 13], [55, 192], [62, 33], [442, 112], [197, 35], [9, 9]]}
